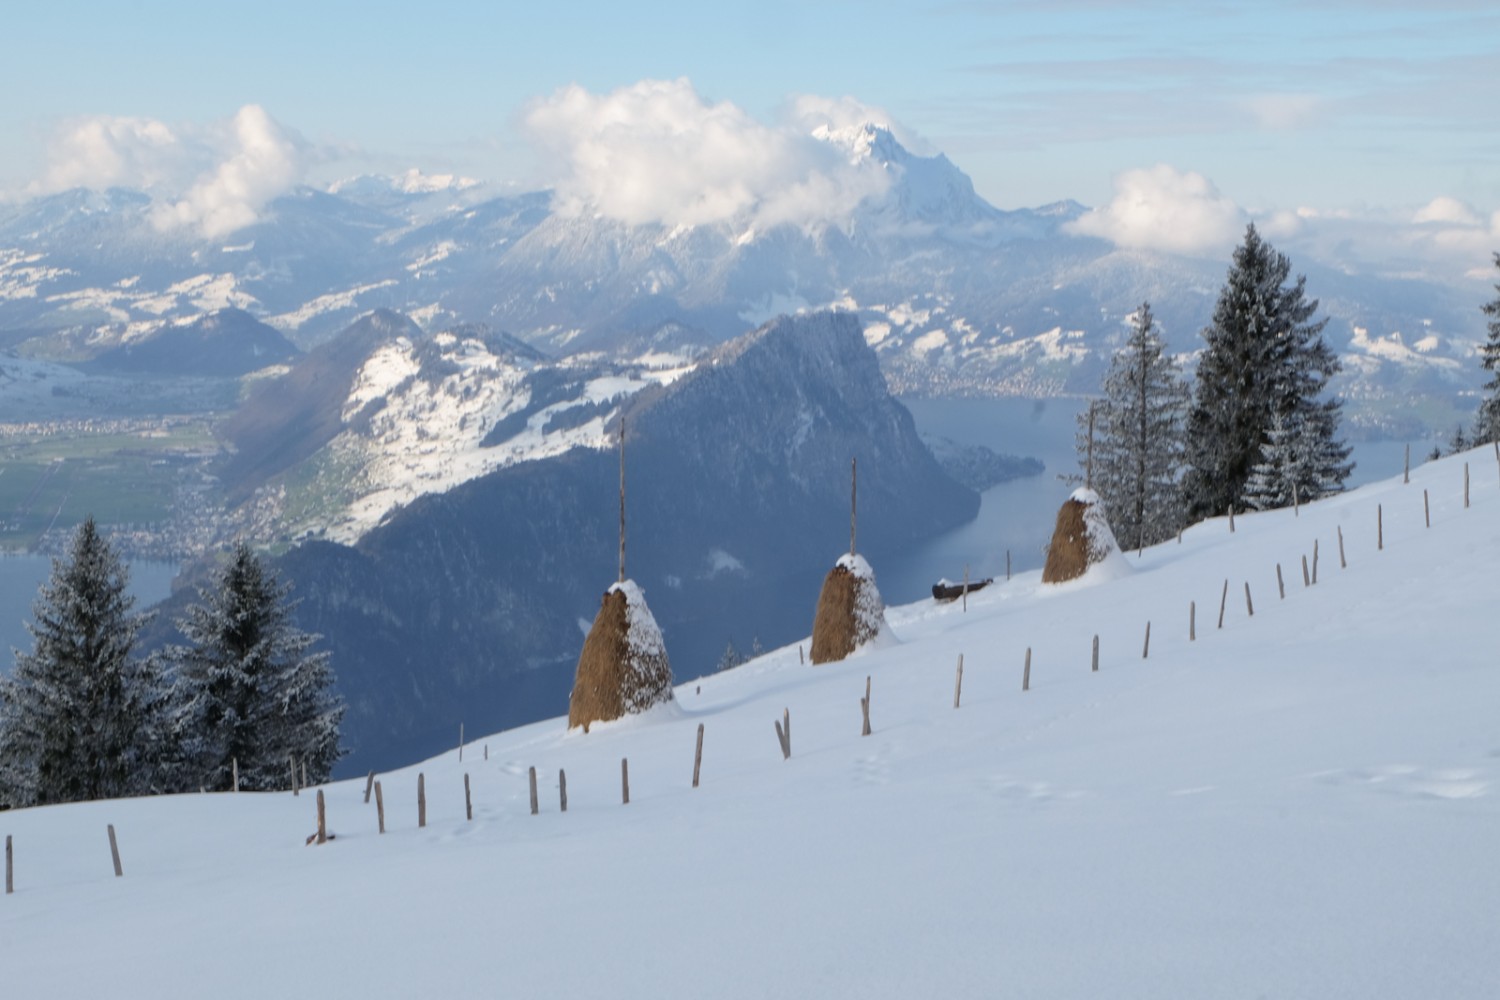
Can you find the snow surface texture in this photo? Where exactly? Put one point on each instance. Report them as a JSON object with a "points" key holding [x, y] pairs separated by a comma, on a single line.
{"points": [[1300, 804], [869, 608]]}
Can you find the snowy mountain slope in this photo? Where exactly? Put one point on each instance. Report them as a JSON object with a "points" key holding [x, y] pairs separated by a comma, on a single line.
{"points": [[967, 299], [1301, 803]]}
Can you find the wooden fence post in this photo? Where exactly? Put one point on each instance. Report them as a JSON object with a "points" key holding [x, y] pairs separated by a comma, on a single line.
{"points": [[369, 781], [562, 788], [468, 799], [10, 867], [698, 756], [1379, 528], [1406, 473], [1306, 580], [784, 733], [1466, 486], [234, 763], [1249, 605], [1095, 661], [421, 800], [800, 659], [1026, 673], [1315, 563], [380, 806], [534, 805], [1426, 509], [1231, 518], [625, 781], [1146, 648], [958, 681], [322, 820], [291, 764], [304, 774], [1223, 601], [1343, 564], [1296, 502], [864, 708], [114, 851], [1192, 621], [781, 741], [1280, 583]]}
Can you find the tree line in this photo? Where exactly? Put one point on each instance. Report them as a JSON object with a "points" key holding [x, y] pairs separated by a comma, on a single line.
{"points": [[1252, 430], [84, 717]]}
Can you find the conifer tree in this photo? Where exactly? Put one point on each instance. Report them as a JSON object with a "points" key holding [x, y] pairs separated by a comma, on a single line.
{"points": [[1137, 452], [249, 689], [82, 718], [1265, 360], [1487, 426]]}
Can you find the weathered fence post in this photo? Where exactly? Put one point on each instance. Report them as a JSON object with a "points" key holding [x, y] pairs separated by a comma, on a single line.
{"points": [[784, 733], [421, 800], [1315, 562], [1296, 501], [1231, 517], [304, 774], [369, 781], [1249, 604], [698, 756], [1379, 528], [958, 681], [1406, 472], [864, 708], [1306, 580], [10, 867], [1466, 486], [1223, 601], [1426, 509], [380, 806], [1280, 583], [786, 751], [625, 781], [1192, 621], [114, 851], [800, 658], [468, 799], [1343, 564], [234, 763], [1095, 661], [562, 788], [1026, 673], [534, 805], [1146, 647], [322, 820]]}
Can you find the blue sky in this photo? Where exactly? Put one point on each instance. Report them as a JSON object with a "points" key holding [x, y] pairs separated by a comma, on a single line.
{"points": [[1279, 105]]}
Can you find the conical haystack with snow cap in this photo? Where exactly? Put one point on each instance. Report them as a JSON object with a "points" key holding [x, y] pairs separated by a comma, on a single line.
{"points": [[850, 610], [1081, 539], [623, 668]]}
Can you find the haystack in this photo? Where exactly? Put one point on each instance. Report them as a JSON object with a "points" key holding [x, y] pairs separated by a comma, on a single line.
{"points": [[1081, 539], [623, 668], [850, 611]]}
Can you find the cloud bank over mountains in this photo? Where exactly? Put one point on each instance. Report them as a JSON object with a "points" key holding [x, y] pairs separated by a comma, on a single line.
{"points": [[659, 152]]}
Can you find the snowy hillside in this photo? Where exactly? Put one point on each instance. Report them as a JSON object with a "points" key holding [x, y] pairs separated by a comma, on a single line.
{"points": [[1300, 803]]}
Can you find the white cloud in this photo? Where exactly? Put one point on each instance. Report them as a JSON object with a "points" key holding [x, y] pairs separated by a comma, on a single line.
{"points": [[656, 151], [1162, 208], [214, 178], [1448, 210], [1284, 112]]}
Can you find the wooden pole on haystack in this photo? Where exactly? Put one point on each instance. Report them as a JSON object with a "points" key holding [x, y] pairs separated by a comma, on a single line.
{"points": [[1088, 469], [853, 499], [622, 498]]}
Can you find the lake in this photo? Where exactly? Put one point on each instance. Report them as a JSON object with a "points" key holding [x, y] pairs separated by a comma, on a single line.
{"points": [[22, 575]]}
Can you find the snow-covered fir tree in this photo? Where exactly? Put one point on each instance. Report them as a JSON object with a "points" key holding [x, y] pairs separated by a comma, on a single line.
{"points": [[1136, 458], [82, 718], [249, 690], [1265, 358], [1487, 425]]}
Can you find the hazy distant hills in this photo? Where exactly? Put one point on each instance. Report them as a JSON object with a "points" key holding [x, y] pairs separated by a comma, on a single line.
{"points": [[958, 297]]}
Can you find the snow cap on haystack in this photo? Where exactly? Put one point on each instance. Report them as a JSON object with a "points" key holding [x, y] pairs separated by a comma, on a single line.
{"points": [[850, 611], [1081, 539], [623, 668]]}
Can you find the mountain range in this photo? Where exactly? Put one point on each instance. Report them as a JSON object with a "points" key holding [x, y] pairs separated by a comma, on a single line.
{"points": [[957, 297]]}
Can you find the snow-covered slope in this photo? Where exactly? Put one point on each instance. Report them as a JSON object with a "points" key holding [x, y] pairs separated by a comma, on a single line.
{"points": [[1300, 803]]}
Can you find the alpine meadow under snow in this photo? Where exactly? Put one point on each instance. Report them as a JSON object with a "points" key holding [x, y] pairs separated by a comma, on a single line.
{"points": [[1297, 802]]}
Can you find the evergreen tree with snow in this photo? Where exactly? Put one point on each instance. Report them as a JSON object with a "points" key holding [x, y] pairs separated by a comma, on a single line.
{"points": [[249, 689], [1265, 360], [82, 718], [1138, 438], [1487, 426]]}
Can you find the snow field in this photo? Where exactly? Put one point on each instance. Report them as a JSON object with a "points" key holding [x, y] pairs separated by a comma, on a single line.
{"points": [[1299, 804]]}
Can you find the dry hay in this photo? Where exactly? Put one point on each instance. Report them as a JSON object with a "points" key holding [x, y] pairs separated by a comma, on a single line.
{"points": [[623, 668], [1081, 539], [850, 612]]}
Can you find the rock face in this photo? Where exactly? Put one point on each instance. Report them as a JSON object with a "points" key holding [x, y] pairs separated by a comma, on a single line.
{"points": [[471, 604]]}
